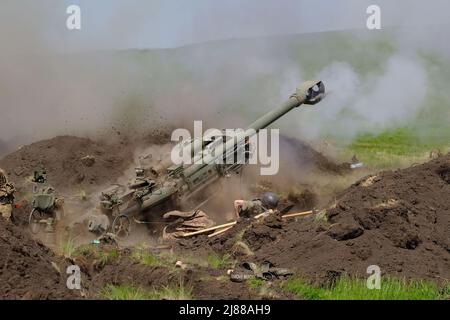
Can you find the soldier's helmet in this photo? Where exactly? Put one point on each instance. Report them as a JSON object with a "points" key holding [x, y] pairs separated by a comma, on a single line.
{"points": [[270, 200], [3, 179]]}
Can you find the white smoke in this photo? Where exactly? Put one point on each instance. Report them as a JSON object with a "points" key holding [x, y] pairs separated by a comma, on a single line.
{"points": [[387, 98], [53, 81]]}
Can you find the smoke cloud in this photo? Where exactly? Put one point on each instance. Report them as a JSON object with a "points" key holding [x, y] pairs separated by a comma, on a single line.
{"points": [[54, 81], [380, 101]]}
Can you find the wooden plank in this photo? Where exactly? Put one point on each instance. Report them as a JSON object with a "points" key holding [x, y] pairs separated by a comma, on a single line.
{"points": [[210, 229], [219, 232], [298, 214]]}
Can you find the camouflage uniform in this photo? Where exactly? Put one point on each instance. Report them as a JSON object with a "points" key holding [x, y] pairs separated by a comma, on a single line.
{"points": [[7, 191]]}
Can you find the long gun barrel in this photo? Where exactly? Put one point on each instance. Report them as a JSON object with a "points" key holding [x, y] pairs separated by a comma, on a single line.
{"points": [[309, 92]]}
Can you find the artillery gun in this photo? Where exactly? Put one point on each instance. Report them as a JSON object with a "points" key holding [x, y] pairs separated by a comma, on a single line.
{"points": [[166, 186]]}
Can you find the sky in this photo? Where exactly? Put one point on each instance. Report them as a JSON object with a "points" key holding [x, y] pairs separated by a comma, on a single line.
{"points": [[122, 24]]}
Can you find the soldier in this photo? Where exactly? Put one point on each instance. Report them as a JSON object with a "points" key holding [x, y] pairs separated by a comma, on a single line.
{"points": [[267, 203], [7, 191], [45, 204]]}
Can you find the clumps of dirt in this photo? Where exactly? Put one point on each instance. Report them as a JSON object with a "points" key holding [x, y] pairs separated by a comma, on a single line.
{"points": [[260, 234], [29, 270], [125, 271], [212, 285], [445, 175], [302, 200], [70, 162], [399, 221], [201, 282], [344, 231], [408, 207], [300, 196], [252, 234]]}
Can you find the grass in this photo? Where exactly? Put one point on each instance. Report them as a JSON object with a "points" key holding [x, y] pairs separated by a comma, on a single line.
{"points": [[107, 257], [144, 256], [83, 195], [263, 289], [174, 292], [356, 289], [131, 292], [85, 250], [321, 216], [217, 261], [100, 256], [68, 248], [255, 283], [124, 292]]}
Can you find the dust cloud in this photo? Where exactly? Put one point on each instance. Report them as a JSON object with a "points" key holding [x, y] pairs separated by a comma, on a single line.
{"points": [[92, 83]]}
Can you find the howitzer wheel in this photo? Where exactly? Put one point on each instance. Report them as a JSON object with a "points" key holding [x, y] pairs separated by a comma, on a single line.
{"points": [[34, 221], [121, 226]]}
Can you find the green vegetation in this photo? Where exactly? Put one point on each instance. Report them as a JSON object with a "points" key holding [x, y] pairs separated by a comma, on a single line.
{"points": [[85, 250], [68, 247], [174, 292], [255, 283], [107, 257], [101, 257], [356, 289], [321, 216], [131, 292], [125, 292], [217, 261], [429, 130], [397, 147], [144, 256]]}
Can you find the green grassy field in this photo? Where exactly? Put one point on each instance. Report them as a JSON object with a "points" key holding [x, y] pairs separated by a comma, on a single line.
{"points": [[396, 148], [356, 289], [131, 292], [411, 143]]}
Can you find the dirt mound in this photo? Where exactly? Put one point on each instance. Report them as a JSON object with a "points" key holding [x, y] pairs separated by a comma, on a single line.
{"points": [[126, 271], [398, 220], [26, 270], [71, 163]]}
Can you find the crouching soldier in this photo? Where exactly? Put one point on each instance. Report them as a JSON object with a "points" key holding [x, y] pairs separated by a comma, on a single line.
{"points": [[47, 207], [7, 191], [267, 204]]}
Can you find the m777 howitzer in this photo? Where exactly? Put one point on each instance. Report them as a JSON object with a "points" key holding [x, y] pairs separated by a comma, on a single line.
{"points": [[166, 186]]}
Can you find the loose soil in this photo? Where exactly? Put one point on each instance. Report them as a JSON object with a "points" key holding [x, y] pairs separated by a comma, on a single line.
{"points": [[398, 220], [29, 270], [66, 160]]}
